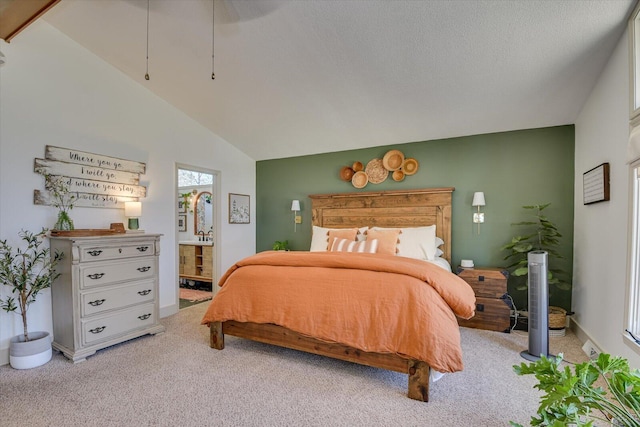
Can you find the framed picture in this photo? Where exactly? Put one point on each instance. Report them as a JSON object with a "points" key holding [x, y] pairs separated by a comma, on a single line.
{"points": [[182, 205], [182, 223], [595, 185], [239, 212]]}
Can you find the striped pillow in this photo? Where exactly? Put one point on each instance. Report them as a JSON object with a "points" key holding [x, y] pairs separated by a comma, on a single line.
{"points": [[345, 245]]}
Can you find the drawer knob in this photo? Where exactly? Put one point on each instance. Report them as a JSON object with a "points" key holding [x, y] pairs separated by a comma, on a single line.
{"points": [[142, 248], [145, 292], [481, 278], [97, 302], [95, 276], [143, 269], [144, 316], [97, 330], [95, 252]]}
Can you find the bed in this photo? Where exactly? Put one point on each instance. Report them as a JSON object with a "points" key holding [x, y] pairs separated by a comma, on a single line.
{"points": [[421, 333]]}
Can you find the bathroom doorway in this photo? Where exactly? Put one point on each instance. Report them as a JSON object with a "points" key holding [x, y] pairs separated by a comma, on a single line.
{"points": [[197, 229]]}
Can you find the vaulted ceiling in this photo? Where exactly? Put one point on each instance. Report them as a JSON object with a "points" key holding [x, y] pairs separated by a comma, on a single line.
{"points": [[304, 77]]}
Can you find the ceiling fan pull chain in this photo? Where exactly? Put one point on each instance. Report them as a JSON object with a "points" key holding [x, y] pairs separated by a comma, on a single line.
{"points": [[213, 17], [146, 75]]}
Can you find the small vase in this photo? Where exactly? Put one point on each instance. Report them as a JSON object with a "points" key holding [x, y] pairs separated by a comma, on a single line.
{"points": [[64, 222]]}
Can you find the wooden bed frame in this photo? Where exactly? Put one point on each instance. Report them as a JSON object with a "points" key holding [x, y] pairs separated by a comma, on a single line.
{"points": [[402, 208]]}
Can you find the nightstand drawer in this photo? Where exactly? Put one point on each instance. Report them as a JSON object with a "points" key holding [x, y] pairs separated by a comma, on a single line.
{"points": [[486, 282], [491, 313]]}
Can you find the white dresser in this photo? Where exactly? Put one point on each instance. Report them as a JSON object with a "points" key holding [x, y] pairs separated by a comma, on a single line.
{"points": [[107, 292]]}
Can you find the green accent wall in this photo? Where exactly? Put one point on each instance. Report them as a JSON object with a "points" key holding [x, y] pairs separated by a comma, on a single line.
{"points": [[512, 169]]}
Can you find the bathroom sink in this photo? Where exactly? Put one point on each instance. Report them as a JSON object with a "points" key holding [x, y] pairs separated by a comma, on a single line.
{"points": [[195, 242]]}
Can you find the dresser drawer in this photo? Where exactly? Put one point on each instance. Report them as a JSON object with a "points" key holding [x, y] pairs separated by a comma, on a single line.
{"points": [[118, 323], [92, 275], [128, 250], [492, 314], [486, 282], [115, 297]]}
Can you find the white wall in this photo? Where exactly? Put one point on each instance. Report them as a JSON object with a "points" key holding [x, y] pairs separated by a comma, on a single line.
{"points": [[53, 91], [600, 230]]}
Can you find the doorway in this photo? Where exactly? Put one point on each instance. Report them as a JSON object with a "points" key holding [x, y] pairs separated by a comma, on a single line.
{"points": [[197, 229]]}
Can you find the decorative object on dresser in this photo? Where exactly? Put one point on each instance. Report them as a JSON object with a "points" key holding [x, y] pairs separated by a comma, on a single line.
{"points": [[490, 286], [107, 291], [133, 211], [27, 271]]}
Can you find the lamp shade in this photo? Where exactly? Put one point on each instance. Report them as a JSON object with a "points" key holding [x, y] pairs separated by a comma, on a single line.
{"points": [[132, 209], [295, 205], [478, 199]]}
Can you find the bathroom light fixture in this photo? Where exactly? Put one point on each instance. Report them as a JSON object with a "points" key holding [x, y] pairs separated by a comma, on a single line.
{"points": [[297, 219], [133, 211], [478, 200]]}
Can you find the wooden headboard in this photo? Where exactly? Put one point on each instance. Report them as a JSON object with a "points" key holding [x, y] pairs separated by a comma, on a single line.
{"points": [[399, 208]]}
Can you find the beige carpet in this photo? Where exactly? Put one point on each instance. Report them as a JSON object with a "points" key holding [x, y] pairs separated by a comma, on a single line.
{"points": [[175, 379]]}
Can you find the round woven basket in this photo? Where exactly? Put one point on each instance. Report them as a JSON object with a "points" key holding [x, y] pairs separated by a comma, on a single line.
{"points": [[557, 317]]}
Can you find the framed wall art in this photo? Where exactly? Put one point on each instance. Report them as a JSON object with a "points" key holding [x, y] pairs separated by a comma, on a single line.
{"points": [[595, 184], [182, 223], [239, 209]]}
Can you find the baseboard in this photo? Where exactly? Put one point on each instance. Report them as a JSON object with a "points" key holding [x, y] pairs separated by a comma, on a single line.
{"points": [[168, 310], [4, 356], [582, 335]]}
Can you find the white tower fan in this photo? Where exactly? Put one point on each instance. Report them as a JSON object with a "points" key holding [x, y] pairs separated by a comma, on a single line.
{"points": [[538, 307]]}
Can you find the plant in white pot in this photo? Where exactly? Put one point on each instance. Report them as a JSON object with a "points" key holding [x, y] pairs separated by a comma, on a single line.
{"points": [[27, 271]]}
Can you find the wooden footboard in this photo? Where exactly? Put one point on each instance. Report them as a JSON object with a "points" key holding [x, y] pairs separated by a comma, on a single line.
{"points": [[418, 371]]}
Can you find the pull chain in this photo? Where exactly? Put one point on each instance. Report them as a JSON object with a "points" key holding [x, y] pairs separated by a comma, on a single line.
{"points": [[213, 17], [146, 75]]}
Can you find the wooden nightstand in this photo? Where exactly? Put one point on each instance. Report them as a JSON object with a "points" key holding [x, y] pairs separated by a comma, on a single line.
{"points": [[490, 286]]}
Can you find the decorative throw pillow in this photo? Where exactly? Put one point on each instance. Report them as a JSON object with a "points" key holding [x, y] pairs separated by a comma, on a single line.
{"points": [[320, 237], [369, 246], [416, 242], [387, 239]]}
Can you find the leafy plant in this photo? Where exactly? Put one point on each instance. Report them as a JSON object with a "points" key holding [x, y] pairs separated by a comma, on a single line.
{"points": [[61, 198], [541, 235], [281, 246], [574, 398], [27, 272]]}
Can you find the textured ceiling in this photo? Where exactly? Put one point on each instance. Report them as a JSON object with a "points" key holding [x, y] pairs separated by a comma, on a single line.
{"points": [[306, 77]]}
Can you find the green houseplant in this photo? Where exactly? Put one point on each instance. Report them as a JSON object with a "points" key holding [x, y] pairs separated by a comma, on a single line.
{"points": [[62, 199], [539, 234], [27, 272], [603, 390], [281, 246]]}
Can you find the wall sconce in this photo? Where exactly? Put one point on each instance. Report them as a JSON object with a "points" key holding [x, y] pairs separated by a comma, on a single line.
{"points": [[133, 211], [297, 219], [478, 200]]}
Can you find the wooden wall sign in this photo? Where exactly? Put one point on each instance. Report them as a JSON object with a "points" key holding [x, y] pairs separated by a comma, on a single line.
{"points": [[98, 181], [595, 184]]}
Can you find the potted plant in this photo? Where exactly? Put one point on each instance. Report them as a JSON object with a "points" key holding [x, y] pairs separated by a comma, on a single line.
{"points": [[62, 199], [603, 391], [27, 272], [281, 246], [541, 234]]}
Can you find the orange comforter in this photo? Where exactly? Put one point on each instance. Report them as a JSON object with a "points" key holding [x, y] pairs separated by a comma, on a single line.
{"points": [[373, 302]]}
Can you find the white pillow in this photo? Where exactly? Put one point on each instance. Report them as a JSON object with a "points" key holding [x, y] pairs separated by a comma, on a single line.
{"points": [[417, 242], [344, 245], [320, 237]]}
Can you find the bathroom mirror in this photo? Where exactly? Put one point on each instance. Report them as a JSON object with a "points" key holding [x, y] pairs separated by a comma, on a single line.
{"points": [[203, 213]]}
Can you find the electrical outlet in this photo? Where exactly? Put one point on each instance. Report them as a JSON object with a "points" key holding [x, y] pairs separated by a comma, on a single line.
{"points": [[591, 350]]}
